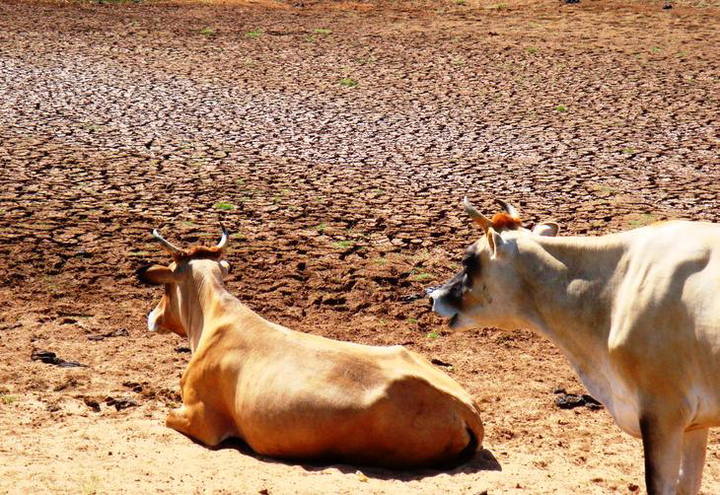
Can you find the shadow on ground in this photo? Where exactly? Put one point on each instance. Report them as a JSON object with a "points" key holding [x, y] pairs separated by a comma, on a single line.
{"points": [[483, 460]]}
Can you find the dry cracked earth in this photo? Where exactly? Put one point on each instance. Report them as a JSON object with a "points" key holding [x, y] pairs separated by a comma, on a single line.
{"points": [[335, 140]]}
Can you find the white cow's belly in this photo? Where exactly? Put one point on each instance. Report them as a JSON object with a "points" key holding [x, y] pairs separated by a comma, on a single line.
{"points": [[620, 401]]}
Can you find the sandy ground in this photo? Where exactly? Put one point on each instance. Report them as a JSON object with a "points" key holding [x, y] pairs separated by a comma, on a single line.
{"points": [[335, 140]]}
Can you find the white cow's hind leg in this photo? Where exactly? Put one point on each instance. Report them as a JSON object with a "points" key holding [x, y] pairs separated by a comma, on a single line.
{"points": [[693, 461], [662, 444]]}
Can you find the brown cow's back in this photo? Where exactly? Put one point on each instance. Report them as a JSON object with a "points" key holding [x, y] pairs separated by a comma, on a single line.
{"points": [[297, 395]]}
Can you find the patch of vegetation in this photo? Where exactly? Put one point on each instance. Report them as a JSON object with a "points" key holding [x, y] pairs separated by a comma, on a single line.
{"points": [[91, 486], [499, 6], [238, 237], [254, 34], [460, 2], [8, 399], [561, 108], [224, 205], [532, 50], [208, 31], [140, 254], [366, 60], [343, 244], [642, 220], [432, 335], [348, 82], [321, 227], [421, 276], [380, 261], [92, 127], [458, 61], [603, 189], [322, 31], [655, 49], [629, 151], [412, 321]]}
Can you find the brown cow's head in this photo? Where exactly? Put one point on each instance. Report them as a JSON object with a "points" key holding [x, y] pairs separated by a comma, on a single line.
{"points": [[178, 306], [488, 290]]}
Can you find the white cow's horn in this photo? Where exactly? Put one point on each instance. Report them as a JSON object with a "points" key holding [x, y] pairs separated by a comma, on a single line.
{"points": [[509, 209], [171, 248], [224, 238], [477, 217]]}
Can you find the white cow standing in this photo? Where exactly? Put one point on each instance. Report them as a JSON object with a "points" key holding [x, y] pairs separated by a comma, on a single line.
{"points": [[636, 313]]}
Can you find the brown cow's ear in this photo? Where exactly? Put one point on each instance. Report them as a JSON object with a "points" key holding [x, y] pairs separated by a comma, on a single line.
{"points": [[156, 275], [548, 229]]}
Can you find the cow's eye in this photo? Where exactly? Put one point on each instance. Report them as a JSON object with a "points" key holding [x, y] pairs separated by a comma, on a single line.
{"points": [[469, 263]]}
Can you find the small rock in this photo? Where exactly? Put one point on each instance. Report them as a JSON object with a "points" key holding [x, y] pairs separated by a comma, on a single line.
{"points": [[48, 357], [361, 476], [92, 404], [124, 404], [569, 401], [136, 387]]}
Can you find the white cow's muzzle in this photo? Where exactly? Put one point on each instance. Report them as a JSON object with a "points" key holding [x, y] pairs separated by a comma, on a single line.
{"points": [[439, 305]]}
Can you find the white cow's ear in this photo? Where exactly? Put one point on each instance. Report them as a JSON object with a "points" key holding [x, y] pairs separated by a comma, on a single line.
{"points": [[496, 242], [548, 229], [225, 267]]}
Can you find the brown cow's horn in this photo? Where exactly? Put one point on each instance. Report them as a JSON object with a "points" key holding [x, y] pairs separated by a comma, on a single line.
{"points": [[509, 209], [477, 217], [171, 248], [224, 238]]}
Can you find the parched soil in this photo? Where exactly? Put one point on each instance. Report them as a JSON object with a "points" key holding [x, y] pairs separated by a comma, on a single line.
{"points": [[335, 140]]}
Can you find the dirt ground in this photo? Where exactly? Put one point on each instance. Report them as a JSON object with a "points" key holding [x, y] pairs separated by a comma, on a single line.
{"points": [[335, 140]]}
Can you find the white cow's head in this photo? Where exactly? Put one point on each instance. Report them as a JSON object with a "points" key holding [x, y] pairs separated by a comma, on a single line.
{"points": [[488, 292], [181, 279]]}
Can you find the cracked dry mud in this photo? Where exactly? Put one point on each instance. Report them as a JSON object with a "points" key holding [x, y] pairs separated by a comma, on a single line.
{"points": [[343, 202]]}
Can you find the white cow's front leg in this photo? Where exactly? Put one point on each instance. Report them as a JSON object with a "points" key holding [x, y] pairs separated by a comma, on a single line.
{"points": [[662, 443], [693, 461]]}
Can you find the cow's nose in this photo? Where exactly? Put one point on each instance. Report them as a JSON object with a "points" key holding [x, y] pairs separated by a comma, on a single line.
{"points": [[429, 291], [433, 293]]}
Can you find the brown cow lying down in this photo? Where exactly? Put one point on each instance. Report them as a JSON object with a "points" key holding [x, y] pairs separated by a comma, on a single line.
{"points": [[299, 396]]}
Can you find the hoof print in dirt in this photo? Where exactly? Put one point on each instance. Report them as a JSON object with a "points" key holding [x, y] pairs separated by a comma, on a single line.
{"points": [[48, 357], [571, 401], [120, 404]]}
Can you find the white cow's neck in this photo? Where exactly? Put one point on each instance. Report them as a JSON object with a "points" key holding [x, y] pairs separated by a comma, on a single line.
{"points": [[571, 281]]}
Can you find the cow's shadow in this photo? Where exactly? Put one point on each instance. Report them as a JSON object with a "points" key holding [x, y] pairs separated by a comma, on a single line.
{"points": [[483, 460]]}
